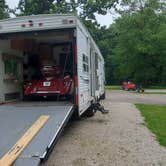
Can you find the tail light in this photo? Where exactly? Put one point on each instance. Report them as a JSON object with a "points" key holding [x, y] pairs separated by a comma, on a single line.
{"points": [[23, 25]]}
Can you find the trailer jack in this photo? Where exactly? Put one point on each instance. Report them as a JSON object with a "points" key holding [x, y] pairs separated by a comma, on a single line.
{"points": [[98, 107]]}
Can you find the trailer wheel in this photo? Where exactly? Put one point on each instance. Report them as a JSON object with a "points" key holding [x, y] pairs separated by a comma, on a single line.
{"points": [[90, 112], [102, 96]]}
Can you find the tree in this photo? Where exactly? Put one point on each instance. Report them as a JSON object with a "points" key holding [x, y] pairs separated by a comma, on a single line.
{"points": [[139, 51], [30, 7], [130, 6], [85, 8], [3, 10]]}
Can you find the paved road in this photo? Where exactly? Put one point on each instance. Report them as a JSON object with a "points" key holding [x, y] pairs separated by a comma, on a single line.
{"points": [[117, 139]]}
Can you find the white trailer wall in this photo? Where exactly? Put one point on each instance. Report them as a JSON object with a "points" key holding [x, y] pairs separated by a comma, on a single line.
{"points": [[87, 80], [7, 86], [84, 84], [101, 76]]}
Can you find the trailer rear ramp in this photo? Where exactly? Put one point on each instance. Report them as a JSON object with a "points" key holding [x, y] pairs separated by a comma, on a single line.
{"points": [[17, 118]]}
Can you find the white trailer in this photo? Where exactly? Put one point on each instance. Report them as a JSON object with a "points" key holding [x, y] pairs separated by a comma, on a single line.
{"points": [[24, 38]]}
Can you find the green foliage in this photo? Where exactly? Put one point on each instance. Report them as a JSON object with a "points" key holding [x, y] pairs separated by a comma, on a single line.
{"points": [[138, 53], [3, 10], [87, 8], [113, 87], [90, 7], [159, 93], [157, 87], [29, 7], [155, 118]]}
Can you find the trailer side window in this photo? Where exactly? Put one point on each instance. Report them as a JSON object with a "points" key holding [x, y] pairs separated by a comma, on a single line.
{"points": [[85, 63], [11, 68]]}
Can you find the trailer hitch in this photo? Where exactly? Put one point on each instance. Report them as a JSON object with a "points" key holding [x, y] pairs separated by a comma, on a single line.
{"points": [[98, 107]]}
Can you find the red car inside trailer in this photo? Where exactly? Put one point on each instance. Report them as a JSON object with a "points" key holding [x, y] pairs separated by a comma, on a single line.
{"points": [[52, 84]]}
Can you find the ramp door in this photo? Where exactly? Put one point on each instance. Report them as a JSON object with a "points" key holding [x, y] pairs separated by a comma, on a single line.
{"points": [[17, 118]]}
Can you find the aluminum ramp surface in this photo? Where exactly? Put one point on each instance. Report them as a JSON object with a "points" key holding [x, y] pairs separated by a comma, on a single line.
{"points": [[17, 118]]}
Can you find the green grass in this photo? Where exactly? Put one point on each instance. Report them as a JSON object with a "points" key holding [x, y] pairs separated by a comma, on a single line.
{"points": [[155, 118], [156, 87], [113, 87], [162, 93]]}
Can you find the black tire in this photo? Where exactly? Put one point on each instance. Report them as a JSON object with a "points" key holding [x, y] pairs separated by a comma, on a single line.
{"points": [[89, 112], [102, 96]]}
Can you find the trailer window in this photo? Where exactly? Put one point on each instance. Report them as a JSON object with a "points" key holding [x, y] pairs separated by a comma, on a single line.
{"points": [[85, 63]]}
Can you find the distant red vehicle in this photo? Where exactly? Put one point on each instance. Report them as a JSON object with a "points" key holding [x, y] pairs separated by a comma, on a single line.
{"points": [[52, 84], [128, 86]]}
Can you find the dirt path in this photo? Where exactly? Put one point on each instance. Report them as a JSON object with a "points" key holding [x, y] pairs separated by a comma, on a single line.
{"points": [[117, 139]]}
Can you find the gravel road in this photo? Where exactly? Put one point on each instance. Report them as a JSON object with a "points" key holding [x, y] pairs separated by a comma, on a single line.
{"points": [[117, 139], [131, 97]]}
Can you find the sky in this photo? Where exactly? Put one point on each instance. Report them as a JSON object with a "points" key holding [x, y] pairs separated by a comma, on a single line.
{"points": [[103, 20]]}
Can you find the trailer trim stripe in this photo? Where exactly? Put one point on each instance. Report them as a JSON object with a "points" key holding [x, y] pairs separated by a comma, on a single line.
{"points": [[76, 76], [75, 54]]}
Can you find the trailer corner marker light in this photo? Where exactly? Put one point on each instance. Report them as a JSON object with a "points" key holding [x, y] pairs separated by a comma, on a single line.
{"points": [[40, 24], [31, 24], [71, 21], [23, 25]]}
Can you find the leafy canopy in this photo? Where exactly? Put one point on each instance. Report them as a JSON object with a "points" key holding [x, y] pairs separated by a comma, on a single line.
{"points": [[3, 10]]}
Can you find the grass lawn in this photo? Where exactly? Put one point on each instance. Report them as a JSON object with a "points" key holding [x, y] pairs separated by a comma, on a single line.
{"points": [[156, 87], [162, 93], [113, 87], [155, 118], [151, 92]]}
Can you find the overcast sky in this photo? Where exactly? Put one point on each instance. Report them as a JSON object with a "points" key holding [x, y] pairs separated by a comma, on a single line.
{"points": [[103, 20]]}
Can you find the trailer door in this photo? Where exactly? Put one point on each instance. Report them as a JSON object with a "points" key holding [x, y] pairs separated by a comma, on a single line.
{"points": [[17, 118]]}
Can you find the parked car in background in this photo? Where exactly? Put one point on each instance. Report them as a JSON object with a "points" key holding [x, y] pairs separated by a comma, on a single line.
{"points": [[129, 86]]}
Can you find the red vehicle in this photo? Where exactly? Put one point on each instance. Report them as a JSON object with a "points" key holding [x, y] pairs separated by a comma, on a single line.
{"points": [[52, 84], [128, 86]]}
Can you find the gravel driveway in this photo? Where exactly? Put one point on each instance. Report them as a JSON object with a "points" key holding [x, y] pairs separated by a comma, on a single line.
{"points": [[117, 139], [131, 97]]}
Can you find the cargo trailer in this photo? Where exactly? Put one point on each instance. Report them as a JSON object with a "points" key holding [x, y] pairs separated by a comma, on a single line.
{"points": [[25, 44]]}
